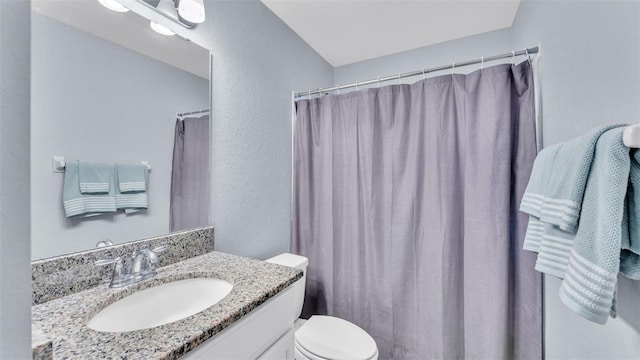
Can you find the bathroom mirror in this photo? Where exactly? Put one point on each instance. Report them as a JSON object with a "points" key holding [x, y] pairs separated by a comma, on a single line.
{"points": [[106, 87]]}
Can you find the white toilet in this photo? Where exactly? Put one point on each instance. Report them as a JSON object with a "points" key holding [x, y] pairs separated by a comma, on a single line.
{"points": [[325, 337]]}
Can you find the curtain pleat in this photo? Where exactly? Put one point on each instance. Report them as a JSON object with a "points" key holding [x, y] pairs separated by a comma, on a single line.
{"points": [[405, 202]]}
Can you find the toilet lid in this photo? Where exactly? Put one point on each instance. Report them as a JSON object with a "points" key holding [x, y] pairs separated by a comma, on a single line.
{"points": [[329, 337]]}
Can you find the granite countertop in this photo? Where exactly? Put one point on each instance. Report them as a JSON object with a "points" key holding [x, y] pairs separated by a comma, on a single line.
{"points": [[64, 320]]}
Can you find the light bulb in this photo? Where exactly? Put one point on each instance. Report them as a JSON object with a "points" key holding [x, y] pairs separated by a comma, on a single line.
{"points": [[191, 10], [161, 29], [113, 5]]}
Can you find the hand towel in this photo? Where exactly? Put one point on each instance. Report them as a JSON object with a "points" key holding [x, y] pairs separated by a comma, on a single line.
{"points": [[77, 204], [559, 200], [132, 177], [132, 202], [94, 177], [590, 280]]}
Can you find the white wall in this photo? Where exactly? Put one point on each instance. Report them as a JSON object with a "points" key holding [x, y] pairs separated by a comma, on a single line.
{"points": [[95, 100], [15, 268], [257, 62], [591, 77]]}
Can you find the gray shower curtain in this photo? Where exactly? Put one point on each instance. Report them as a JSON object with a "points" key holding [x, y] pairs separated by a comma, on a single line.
{"points": [[189, 203], [405, 202]]}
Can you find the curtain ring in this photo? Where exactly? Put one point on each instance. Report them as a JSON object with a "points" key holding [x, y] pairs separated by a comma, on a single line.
{"points": [[526, 51], [482, 63], [513, 55], [399, 78], [356, 86], [320, 92], [378, 82], [309, 94], [338, 89], [453, 68], [423, 76]]}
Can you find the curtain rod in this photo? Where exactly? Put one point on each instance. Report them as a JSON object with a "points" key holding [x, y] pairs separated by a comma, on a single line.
{"points": [[192, 112], [527, 51]]}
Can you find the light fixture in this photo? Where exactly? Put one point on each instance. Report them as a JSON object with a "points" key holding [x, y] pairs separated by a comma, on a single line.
{"points": [[191, 10], [113, 5], [161, 29]]}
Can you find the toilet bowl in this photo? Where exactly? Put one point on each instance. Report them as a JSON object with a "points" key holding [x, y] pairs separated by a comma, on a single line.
{"points": [[324, 337]]}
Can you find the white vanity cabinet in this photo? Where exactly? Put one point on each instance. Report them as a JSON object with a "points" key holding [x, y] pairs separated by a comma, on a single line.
{"points": [[265, 333]]}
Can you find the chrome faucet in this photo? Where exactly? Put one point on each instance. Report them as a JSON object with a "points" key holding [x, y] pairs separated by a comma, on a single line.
{"points": [[142, 267]]}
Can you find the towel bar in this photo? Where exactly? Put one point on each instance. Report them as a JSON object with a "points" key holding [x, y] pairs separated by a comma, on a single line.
{"points": [[58, 164]]}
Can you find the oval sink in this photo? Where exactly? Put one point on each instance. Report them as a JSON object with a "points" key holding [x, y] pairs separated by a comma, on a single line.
{"points": [[160, 305]]}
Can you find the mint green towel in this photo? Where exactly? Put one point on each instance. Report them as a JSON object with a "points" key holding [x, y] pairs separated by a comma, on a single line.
{"points": [[77, 204], [590, 280], [132, 201], [132, 177], [94, 177], [554, 194], [630, 248]]}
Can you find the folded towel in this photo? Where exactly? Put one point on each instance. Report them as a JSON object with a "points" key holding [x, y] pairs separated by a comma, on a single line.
{"points": [[132, 202], [590, 280], [94, 177], [77, 204], [132, 177], [554, 195]]}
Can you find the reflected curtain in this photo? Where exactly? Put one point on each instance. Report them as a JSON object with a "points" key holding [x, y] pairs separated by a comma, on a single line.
{"points": [[189, 204], [405, 202]]}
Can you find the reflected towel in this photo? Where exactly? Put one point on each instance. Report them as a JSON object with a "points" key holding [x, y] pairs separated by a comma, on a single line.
{"points": [[77, 204], [132, 177], [94, 177], [132, 202]]}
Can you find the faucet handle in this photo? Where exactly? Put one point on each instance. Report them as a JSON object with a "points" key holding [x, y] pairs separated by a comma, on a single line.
{"points": [[160, 249], [103, 262], [119, 277]]}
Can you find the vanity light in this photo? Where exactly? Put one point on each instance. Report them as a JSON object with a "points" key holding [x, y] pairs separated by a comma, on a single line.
{"points": [[191, 10], [161, 29], [113, 5]]}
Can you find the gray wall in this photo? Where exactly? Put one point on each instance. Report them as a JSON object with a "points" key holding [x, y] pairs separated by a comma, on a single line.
{"points": [[591, 76], [94, 100], [257, 62], [15, 269], [494, 42]]}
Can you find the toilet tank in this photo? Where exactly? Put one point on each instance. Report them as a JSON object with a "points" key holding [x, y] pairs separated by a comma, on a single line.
{"points": [[298, 262]]}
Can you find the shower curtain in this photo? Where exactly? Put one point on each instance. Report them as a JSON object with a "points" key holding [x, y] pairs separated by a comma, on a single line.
{"points": [[406, 204], [189, 203]]}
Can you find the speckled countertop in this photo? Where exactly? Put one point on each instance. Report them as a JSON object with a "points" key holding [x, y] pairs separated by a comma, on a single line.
{"points": [[64, 320]]}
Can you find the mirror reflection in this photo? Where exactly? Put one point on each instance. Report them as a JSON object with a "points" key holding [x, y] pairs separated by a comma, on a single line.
{"points": [[109, 89]]}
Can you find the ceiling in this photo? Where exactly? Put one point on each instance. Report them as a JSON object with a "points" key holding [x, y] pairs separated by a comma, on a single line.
{"points": [[344, 32], [129, 30]]}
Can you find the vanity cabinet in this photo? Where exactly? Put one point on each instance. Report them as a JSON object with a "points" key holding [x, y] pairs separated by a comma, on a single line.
{"points": [[265, 333]]}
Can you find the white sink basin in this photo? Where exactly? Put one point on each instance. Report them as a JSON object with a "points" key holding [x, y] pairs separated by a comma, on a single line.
{"points": [[160, 305]]}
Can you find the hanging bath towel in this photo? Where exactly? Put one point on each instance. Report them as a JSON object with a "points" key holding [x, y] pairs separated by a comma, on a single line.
{"points": [[77, 204]]}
